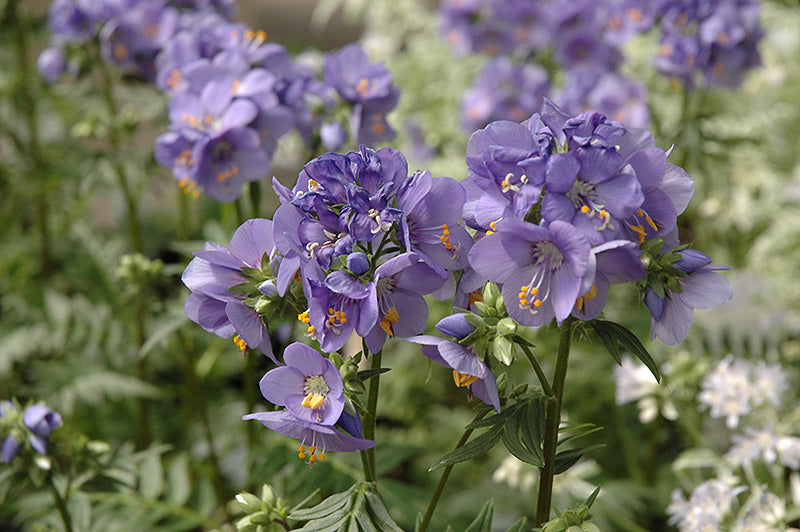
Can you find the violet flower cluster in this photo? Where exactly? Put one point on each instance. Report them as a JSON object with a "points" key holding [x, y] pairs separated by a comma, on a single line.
{"points": [[232, 93], [570, 205], [34, 424], [584, 39]]}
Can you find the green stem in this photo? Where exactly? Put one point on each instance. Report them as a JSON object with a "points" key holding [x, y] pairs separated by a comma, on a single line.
{"points": [[107, 90], [553, 420], [61, 504], [370, 417], [538, 369], [255, 199], [445, 475], [250, 379], [199, 405], [28, 107]]}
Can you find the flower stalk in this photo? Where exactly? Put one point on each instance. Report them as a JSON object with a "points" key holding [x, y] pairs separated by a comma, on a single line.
{"points": [[370, 417], [553, 420]]}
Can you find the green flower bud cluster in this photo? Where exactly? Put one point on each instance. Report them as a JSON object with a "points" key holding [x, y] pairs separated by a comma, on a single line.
{"points": [[263, 513], [137, 272], [348, 369], [494, 329], [573, 520], [661, 274]]}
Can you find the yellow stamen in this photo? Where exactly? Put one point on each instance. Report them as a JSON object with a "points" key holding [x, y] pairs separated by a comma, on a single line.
{"points": [[240, 343], [585, 209], [463, 379], [390, 318]]}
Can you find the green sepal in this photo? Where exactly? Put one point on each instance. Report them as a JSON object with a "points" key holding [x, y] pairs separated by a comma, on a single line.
{"points": [[483, 522]]}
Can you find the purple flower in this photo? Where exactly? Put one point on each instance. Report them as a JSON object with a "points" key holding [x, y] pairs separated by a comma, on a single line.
{"points": [[224, 162], [51, 63], [312, 436], [468, 370], [455, 325], [503, 91], [703, 288], [400, 284], [41, 421], [354, 77], [10, 449], [506, 164], [616, 261], [216, 269], [338, 304], [431, 212], [541, 268], [309, 386], [591, 189]]}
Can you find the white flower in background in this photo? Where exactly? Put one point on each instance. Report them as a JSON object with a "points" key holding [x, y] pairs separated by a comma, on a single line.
{"points": [[753, 445], [769, 383], [763, 512], [734, 387], [636, 383], [706, 507], [515, 474], [789, 451]]}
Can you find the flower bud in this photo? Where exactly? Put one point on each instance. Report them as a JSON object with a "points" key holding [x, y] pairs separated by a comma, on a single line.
{"points": [[455, 325], [332, 135], [267, 495], [357, 263], [503, 350], [268, 288], [490, 294], [506, 326], [248, 502]]}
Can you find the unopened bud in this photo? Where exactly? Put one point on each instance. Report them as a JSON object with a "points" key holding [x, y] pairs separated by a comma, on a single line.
{"points": [[357, 263], [455, 325], [268, 288], [506, 326]]}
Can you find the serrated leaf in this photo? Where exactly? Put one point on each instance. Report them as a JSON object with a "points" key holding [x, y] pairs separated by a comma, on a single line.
{"points": [[483, 523], [474, 448], [520, 526]]}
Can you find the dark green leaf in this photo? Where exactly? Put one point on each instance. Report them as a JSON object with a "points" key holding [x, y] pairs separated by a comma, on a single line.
{"points": [[511, 439], [627, 340], [369, 373], [591, 498], [568, 458], [483, 523], [476, 447]]}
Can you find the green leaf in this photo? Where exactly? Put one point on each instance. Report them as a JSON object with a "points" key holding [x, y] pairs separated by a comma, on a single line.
{"points": [[476, 447], [511, 439], [568, 458], [520, 526], [367, 374], [326, 507], [611, 334], [483, 523], [379, 513], [151, 477], [533, 428], [180, 487]]}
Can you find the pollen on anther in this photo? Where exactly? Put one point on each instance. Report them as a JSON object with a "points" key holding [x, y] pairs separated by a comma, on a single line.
{"points": [[585, 209], [537, 303]]}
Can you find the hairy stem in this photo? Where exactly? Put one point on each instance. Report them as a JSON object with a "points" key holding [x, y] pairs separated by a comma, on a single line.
{"points": [[61, 504], [370, 417], [445, 475], [553, 420]]}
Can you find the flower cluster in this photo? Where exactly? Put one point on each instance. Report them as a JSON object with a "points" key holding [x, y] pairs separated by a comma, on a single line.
{"points": [[131, 33], [33, 424], [585, 40], [635, 383], [369, 241], [582, 38], [570, 205], [232, 93], [715, 41]]}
